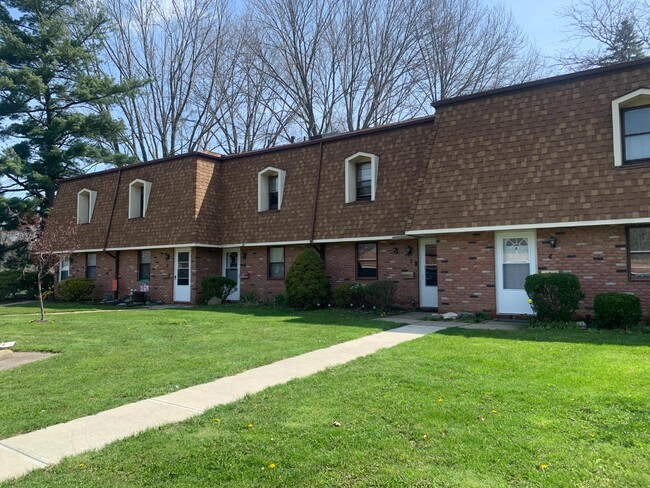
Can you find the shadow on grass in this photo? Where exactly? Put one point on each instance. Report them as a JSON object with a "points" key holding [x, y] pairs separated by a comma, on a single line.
{"points": [[576, 336], [326, 316]]}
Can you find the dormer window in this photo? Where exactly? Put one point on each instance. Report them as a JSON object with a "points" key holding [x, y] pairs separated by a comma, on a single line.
{"points": [[270, 189], [85, 205], [361, 177], [631, 127], [139, 191], [273, 192]]}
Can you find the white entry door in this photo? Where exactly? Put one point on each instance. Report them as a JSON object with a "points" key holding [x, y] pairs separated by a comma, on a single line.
{"points": [[231, 269], [428, 263], [516, 258], [182, 275]]}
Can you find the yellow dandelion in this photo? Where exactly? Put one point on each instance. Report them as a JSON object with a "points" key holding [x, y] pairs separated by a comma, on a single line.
{"points": [[425, 437], [82, 465], [249, 426], [217, 420], [493, 411], [272, 466], [543, 467], [440, 400]]}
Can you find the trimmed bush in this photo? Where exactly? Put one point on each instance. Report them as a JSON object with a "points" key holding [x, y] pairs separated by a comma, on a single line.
{"points": [[555, 296], [379, 294], [617, 311], [75, 289], [217, 286], [306, 282]]}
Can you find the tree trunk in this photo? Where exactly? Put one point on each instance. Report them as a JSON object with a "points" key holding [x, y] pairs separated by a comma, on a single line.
{"points": [[40, 294]]}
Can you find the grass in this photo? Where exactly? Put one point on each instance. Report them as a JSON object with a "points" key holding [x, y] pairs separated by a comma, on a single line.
{"points": [[114, 357], [460, 408]]}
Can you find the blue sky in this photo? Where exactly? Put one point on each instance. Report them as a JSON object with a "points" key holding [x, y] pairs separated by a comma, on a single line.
{"points": [[538, 19]]}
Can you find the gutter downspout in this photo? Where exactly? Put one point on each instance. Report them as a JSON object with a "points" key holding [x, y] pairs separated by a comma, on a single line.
{"points": [[116, 257], [315, 208]]}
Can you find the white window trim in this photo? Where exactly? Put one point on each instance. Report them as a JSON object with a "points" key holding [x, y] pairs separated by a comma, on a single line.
{"points": [[263, 187], [351, 175], [92, 196], [146, 185], [638, 97]]}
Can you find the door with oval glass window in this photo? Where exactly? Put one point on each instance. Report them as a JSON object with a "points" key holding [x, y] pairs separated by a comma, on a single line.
{"points": [[516, 258], [231, 269]]}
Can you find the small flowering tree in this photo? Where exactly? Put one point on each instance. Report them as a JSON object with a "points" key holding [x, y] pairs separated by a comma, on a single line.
{"points": [[47, 245]]}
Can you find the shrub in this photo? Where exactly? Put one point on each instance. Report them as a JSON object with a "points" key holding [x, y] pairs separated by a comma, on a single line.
{"points": [[280, 300], [379, 294], [617, 311], [555, 296], [75, 289], [357, 295], [217, 286], [342, 295], [29, 283], [9, 284], [306, 281]]}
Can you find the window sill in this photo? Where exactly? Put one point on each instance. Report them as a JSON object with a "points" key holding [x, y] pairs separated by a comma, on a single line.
{"points": [[136, 218], [270, 210], [635, 164], [367, 279], [360, 202], [275, 279]]}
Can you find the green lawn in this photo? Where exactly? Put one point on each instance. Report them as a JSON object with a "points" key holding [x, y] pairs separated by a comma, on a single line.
{"points": [[110, 358], [459, 408]]}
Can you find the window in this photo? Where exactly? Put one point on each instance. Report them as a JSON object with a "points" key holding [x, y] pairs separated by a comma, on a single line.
{"points": [[144, 265], [636, 134], [273, 192], [139, 191], [638, 246], [276, 263], [366, 260], [91, 265], [631, 127], [364, 182], [85, 205], [361, 177], [270, 189], [64, 269]]}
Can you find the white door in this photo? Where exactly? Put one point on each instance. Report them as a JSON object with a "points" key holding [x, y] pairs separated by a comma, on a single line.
{"points": [[182, 274], [231, 269], [428, 264], [516, 258]]}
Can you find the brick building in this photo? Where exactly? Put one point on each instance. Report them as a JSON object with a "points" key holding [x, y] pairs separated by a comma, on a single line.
{"points": [[457, 209]]}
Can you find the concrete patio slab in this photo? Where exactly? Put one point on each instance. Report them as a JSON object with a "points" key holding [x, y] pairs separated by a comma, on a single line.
{"points": [[23, 453]]}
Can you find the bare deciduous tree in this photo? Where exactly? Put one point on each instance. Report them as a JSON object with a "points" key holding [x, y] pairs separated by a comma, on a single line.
{"points": [[168, 44], [612, 27], [296, 46], [467, 47]]}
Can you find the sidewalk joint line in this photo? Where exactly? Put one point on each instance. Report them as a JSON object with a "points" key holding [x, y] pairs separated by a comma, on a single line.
{"points": [[178, 405], [39, 462]]}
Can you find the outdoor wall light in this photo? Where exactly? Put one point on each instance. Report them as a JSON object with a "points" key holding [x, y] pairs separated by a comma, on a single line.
{"points": [[552, 242], [166, 254], [395, 250], [243, 255], [409, 250]]}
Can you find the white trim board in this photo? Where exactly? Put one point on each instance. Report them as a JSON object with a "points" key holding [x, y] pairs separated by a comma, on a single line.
{"points": [[552, 225]]}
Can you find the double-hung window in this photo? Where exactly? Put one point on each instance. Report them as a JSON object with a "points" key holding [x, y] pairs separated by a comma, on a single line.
{"points": [[364, 181], [64, 269], [638, 246], [276, 263], [367, 260], [91, 265], [361, 177], [144, 265], [636, 134]]}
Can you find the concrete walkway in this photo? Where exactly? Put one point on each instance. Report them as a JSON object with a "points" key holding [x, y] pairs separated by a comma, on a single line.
{"points": [[420, 318], [42, 448]]}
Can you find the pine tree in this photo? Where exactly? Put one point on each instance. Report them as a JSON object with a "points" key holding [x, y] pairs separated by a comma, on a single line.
{"points": [[626, 45], [54, 106]]}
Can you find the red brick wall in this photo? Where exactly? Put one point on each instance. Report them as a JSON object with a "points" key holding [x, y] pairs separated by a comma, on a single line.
{"points": [[466, 267], [597, 256], [205, 262], [340, 262]]}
